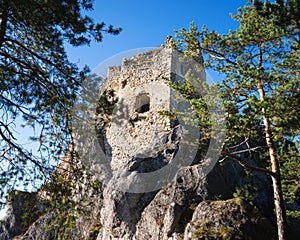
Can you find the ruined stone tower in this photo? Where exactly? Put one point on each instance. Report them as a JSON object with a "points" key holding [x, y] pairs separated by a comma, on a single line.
{"points": [[137, 137], [141, 90]]}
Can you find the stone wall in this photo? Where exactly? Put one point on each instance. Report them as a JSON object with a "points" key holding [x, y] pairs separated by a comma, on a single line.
{"points": [[132, 129]]}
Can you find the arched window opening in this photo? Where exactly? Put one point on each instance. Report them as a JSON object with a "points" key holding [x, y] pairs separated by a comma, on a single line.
{"points": [[142, 103]]}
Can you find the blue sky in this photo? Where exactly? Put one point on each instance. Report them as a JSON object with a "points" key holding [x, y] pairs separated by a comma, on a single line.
{"points": [[147, 23]]}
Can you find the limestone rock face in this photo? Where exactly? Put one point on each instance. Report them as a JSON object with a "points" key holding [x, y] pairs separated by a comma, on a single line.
{"points": [[184, 209], [174, 207], [40, 229], [230, 219]]}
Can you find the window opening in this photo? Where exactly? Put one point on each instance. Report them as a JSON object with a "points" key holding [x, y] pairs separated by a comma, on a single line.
{"points": [[142, 103]]}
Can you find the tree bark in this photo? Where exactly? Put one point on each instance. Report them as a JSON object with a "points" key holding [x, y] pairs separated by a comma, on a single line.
{"points": [[276, 180], [3, 26]]}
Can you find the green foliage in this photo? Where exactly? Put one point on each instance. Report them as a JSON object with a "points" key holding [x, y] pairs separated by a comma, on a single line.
{"points": [[26, 205], [249, 190], [107, 103], [63, 204], [187, 42], [166, 113], [38, 83], [293, 214], [243, 193], [223, 232], [290, 168], [70, 196], [94, 231], [231, 222], [30, 214], [284, 14], [259, 51]]}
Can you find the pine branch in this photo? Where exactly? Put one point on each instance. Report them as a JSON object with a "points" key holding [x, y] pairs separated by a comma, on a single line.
{"points": [[218, 55]]}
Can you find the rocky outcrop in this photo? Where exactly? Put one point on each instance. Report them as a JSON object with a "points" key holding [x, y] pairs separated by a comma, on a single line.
{"points": [[187, 208], [23, 209], [173, 208], [41, 229], [228, 219]]}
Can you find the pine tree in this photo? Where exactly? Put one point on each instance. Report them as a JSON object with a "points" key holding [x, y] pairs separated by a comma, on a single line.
{"points": [[260, 64], [38, 83]]}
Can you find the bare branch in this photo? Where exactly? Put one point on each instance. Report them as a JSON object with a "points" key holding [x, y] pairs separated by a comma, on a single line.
{"points": [[248, 150], [45, 60], [240, 144], [7, 129], [4, 152], [245, 165], [218, 55], [27, 156]]}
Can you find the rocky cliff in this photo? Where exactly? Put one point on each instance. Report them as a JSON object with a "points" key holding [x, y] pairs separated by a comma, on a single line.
{"points": [[187, 208]]}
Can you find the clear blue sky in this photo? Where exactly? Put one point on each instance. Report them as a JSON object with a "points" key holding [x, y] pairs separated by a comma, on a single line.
{"points": [[147, 23]]}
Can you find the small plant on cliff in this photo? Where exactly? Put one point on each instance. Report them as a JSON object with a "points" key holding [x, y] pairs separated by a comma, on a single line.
{"points": [[223, 232]]}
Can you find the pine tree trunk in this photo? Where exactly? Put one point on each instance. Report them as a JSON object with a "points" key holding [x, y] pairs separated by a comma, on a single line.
{"points": [[3, 25], [279, 208], [276, 180]]}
